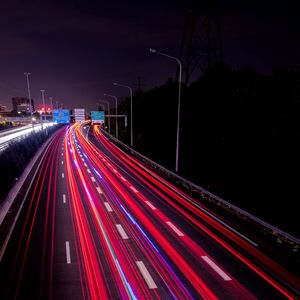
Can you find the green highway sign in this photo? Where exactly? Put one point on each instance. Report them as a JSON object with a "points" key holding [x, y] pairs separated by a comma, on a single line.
{"points": [[97, 117]]}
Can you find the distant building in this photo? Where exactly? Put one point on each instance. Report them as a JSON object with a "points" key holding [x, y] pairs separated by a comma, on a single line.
{"points": [[2, 107], [22, 104]]}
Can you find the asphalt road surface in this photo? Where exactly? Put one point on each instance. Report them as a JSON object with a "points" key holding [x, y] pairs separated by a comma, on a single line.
{"points": [[96, 223]]}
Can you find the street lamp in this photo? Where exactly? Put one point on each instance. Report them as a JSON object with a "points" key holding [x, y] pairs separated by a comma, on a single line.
{"points": [[131, 123], [51, 103], [108, 111], [30, 105], [116, 100], [101, 106], [178, 108], [43, 108]]}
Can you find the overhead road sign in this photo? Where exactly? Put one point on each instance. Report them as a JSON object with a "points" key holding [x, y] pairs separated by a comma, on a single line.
{"points": [[97, 117], [79, 114], [61, 116]]}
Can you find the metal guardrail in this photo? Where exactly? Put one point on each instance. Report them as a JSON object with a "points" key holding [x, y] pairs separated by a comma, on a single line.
{"points": [[16, 119], [278, 233]]}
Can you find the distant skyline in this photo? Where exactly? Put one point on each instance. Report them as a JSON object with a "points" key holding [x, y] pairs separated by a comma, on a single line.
{"points": [[75, 50]]}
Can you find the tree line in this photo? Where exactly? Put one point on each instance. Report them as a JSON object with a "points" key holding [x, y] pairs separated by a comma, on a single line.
{"points": [[239, 136]]}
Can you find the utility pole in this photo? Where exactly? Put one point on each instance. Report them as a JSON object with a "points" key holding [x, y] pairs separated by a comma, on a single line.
{"points": [[51, 103], [131, 113], [178, 103], [116, 101], [29, 96], [108, 111], [43, 108]]}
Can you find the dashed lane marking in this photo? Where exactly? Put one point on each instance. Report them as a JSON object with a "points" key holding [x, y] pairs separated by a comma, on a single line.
{"points": [[122, 232], [68, 252], [146, 275], [216, 268], [150, 205], [108, 207], [99, 190], [174, 228]]}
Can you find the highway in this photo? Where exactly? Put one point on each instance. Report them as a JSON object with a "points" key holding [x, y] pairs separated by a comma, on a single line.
{"points": [[95, 223]]}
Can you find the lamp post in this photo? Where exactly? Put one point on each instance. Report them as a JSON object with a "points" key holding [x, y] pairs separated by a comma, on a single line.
{"points": [[100, 105], [178, 107], [108, 111], [51, 103], [43, 108], [116, 100], [29, 96], [131, 122]]}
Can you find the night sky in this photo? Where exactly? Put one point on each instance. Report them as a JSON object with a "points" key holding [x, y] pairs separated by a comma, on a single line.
{"points": [[75, 50]]}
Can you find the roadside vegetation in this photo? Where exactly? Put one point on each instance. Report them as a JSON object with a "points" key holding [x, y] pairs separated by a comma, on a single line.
{"points": [[239, 137]]}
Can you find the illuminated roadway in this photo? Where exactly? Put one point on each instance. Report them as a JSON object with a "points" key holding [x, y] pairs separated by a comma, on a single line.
{"points": [[10, 135], [98, 224]]}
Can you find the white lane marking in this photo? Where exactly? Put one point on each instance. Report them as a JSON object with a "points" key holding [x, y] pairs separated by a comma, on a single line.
{"points": [[108, 207], [85, 164], [150, 205], [115, 170], [62, 175], [89, 171], [93, 179], [134, 189], [208, 213], [145, 273], [62, 154], [62, 162], [122, 232], [82, 159], [123, 178], [99, 190], [216, 268], [177, 231], [64, 198], [68, 252]]}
